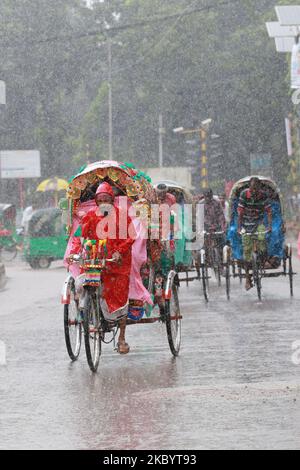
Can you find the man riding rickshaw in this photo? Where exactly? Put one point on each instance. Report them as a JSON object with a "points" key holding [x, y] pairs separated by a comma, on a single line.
{"points": [[256, 234]]}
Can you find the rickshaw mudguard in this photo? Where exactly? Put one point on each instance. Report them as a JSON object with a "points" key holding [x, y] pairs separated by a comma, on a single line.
{"points": [[66, 290], [169, 284]]}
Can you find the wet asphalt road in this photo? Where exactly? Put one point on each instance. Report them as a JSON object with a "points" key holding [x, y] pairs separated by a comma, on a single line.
{"points": [[234, 385]]}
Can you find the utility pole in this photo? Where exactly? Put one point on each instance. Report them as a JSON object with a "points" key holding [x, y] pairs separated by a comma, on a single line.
{"points": [[203, 133], [161, 132], [204, 161], [110, 117]]}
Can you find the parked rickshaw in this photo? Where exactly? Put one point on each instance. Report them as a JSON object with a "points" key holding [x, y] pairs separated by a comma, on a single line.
{"points": [[276, 247], [46, 239], [8, 237], [85, 313]]}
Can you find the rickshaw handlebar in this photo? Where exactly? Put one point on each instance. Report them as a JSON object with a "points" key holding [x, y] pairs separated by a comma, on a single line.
{"points": [[80, 259], [264, 232], [213, 233]]}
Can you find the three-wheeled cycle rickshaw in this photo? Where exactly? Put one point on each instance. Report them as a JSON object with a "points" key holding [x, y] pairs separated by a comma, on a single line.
{"points": [[276, 259], [83, 313]]}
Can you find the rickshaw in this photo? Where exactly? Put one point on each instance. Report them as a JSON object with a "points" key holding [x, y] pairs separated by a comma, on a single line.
{"points": [[183, 257], [45, 240], [276, 249], [190, 257], [84, 314], [8, 237]]}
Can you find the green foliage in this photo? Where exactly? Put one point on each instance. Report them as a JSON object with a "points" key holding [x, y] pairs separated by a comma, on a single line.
{"points": [[216, 63]]}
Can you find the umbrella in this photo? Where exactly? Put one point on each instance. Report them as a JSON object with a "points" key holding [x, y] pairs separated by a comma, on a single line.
{"points": [[53, 184]]}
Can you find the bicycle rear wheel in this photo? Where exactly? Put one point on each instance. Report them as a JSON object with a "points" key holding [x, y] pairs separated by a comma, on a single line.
{"points": [[72, 326], [92, 336]]}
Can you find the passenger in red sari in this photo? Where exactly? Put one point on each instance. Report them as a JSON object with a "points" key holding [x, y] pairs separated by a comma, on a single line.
{"points": [[109, 223]]}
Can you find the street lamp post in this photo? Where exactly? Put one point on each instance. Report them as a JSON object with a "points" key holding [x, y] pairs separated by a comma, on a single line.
{"points": [[110, 118], [202, 132], [161, 136]]}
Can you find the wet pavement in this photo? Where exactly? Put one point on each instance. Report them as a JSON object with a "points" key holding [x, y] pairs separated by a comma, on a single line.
{"points": [[234, 385]]}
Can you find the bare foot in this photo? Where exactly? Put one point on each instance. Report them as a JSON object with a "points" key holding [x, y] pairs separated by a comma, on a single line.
{"points": [[123, 347]]}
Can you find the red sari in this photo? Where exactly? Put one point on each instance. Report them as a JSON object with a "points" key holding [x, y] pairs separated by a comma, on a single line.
{"points": [[115, 278]]}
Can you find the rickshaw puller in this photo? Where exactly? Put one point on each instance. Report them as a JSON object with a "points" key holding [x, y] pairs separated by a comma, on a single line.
{"points": [[254, 203], [115, 279]]}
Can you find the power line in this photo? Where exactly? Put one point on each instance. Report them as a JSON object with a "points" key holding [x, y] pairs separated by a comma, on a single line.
{"points": [[119, 28], [149, 52]]}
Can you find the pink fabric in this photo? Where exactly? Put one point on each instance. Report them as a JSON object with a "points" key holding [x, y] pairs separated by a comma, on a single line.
{"points": [[81, 211], [137, 290]]}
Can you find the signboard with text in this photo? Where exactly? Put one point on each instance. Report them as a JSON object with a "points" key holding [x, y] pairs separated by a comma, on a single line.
{"points": [[20, 164]]}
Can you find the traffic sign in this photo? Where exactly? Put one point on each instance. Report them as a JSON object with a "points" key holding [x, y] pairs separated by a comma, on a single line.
{"points": [[284, 44], [20, 164], [276, 30], [288, 15]]}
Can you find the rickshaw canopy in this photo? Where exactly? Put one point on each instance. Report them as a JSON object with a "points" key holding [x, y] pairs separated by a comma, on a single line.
{"points": [[8, 212]]}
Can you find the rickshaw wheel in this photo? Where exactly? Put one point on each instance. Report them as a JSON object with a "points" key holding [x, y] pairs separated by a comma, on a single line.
{"points": [[172, 309], [240, 273], [291, 273], [204, 277], [256, 275], [217, 266], [72, 326], [9, 253], [227, 264], [92, 337]]}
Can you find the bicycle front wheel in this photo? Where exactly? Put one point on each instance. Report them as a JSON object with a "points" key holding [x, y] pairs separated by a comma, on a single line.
{"points": [[92, 336], [73, 326], [257, 275]]}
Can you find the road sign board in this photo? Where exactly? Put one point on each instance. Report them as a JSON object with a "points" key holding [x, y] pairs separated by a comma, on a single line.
{"points": [[276, 30], [20, 164], [284, 44], [288, 15]]}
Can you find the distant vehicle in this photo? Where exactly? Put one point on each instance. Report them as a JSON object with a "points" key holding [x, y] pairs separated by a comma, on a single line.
{"points": [[9, 239], [45, 240]]}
